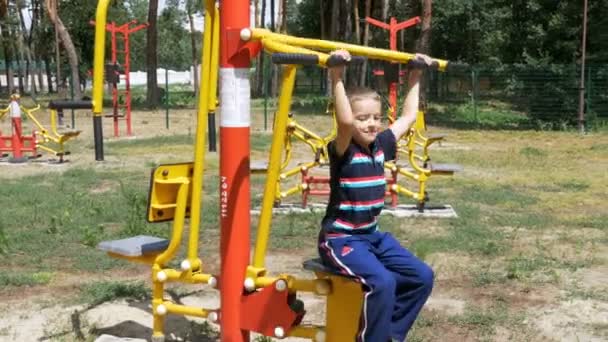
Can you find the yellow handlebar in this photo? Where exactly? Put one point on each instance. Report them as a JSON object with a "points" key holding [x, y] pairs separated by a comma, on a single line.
{"points": [[290, 44]]}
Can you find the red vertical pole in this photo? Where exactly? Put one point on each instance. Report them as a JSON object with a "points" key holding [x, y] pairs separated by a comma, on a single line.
{"points": [[234, 166], [16, 142], [113, 28], [127, 80], [392, 90], [393, 27]]}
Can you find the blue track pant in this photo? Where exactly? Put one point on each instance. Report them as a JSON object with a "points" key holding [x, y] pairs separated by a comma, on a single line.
{"points": [[392, 277]]}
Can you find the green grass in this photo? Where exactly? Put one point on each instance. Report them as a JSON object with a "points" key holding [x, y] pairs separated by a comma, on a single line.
{"points": [[260, 142], [24, 279], [533, 152], [522, 202], [595, 221], [104, 291], [58, 220], [159, 142], [483, 320], [487, 115]]}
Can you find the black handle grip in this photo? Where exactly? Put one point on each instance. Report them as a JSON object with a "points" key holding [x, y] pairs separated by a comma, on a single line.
{"points": [[335, 60], [295, 58], [420, 64], [67, 104]]}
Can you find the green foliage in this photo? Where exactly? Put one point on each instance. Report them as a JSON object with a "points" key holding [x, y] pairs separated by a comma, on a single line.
{"points": [[55, 217], [263, 339], [154, 142], [484, 320], [105, 291], [24, 279], [484, 115], [533, 152], [174, 48], [3, 240]]}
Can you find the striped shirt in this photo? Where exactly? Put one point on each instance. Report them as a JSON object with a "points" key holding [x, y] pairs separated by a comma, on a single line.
{"points": [[358, 185]]}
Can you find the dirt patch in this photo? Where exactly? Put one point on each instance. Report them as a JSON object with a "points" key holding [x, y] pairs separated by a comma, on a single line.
{"points": [[572, 320]]}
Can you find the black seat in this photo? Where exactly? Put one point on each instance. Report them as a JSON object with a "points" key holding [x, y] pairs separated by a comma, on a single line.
{"points": [[136, 246], [317, 265], [446, 168]]}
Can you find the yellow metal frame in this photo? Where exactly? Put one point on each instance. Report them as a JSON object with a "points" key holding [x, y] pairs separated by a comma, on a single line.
{"points": [[4, 111], [318, 146], [175, 190], [415, 147], [50, 141], [276, 42], [345, 297]]}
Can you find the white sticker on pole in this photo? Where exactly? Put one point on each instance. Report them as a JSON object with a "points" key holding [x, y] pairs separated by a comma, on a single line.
{"points": [[235, 95]]}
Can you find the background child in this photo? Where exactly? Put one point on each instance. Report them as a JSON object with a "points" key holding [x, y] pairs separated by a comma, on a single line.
{"points": [[396, 283]]}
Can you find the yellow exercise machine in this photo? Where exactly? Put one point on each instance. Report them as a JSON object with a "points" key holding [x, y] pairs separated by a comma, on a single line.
{"points": [[175, 193], [51, 141], [414, 146], [344, 295], [267, 304], [318, 146]]}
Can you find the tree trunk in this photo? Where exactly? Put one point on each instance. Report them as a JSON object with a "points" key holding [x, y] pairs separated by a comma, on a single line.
{"points": [[8, 56], [322, 18], [49, 75], [36, 17], [357, 24], [194, 52], [274, 70], [151, 55], [28, 54], [283, 16], [260, 81], [66, 40], [256, 12], [385, 6], [335, 13], [368, 12], [20, 85], [423, 44]]}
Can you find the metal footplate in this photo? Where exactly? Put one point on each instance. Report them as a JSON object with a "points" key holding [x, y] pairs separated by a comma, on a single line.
{"points": [[258, 166], [137, 246], [445, 169]]}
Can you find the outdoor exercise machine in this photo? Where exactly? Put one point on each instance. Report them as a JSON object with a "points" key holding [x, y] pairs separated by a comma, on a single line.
{"points": [[250, 299], [51, 141], [308, 185], [17, 143], [344, 296], [121, 99]]}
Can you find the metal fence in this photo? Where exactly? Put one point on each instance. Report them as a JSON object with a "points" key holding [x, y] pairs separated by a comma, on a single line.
{"points": [[510, 95]]}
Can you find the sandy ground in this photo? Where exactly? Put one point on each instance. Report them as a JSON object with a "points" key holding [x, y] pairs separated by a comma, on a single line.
{"points": [[42, 315]]}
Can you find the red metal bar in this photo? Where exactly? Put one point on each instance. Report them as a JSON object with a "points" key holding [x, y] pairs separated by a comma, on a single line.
{"points": [[235, 120], [125, 30], [393, 27], [16, 141]]}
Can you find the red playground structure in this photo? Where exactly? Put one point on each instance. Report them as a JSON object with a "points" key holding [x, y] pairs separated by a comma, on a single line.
{"points": [[121, 98], [17, 143]]}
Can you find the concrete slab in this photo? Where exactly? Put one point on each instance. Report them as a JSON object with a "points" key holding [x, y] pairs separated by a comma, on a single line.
{"points": [[402, 210]]}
